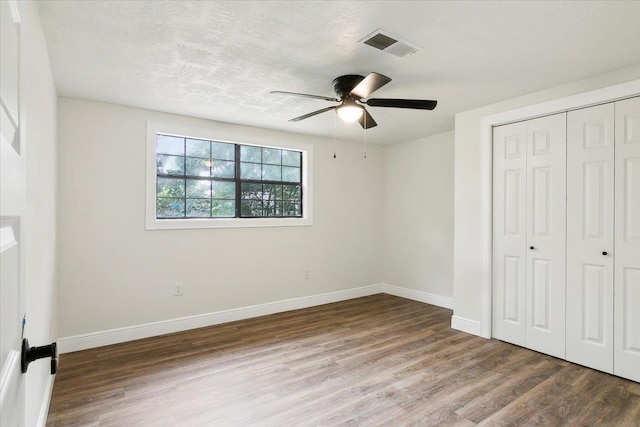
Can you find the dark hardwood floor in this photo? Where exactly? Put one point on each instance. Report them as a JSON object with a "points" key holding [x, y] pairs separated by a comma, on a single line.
{"points": [[375, 361]]}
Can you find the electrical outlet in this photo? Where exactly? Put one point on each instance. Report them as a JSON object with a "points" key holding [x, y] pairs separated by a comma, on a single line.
{"points": [[178, 290], [307, 274]]}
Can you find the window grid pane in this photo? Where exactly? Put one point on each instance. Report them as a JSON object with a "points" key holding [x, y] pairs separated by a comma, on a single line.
{"points": [[169, 165], [291, 174], [167, 144], [195, 166], [223, 208], [223, 151], [250, 171], [169, 207], [196, 178], [291, 158], [272, 156], [271, 173], [198, 148], [198, 208]]}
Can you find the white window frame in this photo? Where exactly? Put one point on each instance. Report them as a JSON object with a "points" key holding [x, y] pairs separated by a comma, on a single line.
{"points": [[231, 134]]}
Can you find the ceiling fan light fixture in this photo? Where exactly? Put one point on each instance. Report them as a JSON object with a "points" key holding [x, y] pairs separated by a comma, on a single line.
{"points": [[349, 112]]}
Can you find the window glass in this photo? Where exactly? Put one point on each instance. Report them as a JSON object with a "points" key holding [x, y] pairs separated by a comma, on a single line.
{"points": [[198, 208], [223, 151], [197, 178], [249, 153], [167, 207], [223, 208], [250, 171], [170, 145], [290, 174], [223, 190], [291, 158], [169, 165], [195, 166], [223, 169], [271, 156], [271, 173], [198, 148]]}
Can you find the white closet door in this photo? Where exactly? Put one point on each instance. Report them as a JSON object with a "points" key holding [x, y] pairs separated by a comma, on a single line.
{"points": [[627, 249], [546, 221], [509, 232], [590, 191]]}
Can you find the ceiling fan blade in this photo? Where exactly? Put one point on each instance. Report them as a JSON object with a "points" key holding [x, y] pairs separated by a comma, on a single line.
{"points": [[369, 120], [417, 104], [369, 84], [306, 95], [306, 116]]}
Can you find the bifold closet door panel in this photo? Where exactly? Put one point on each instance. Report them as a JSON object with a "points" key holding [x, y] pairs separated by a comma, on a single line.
{"points": [[509, 232], [627, 240], [590, 198], [546, 235]]}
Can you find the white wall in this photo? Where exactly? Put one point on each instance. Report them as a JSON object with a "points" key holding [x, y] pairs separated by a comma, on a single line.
{"points": [[418, 215], [467, 274], [113, 273], [38, 121]]}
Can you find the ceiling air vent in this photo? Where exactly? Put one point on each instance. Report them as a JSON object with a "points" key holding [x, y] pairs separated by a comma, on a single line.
{"points": [[389, 43]]}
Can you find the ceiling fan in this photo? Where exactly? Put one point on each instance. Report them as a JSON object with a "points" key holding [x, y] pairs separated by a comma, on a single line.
{"points": [[351, 90]]}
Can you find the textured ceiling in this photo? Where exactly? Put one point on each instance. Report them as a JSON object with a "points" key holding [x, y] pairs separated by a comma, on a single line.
{"points": [[220, 60]]}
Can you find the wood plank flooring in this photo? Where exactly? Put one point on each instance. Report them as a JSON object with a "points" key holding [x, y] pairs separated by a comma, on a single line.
{"points": [[374, 361]]}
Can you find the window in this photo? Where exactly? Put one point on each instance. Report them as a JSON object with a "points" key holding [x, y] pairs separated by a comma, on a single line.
{"points": [[208, 182]]}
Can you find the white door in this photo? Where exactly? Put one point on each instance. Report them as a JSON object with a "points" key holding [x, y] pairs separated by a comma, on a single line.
{"points": [[627, 240], [590, 254], [12, 192], [546, 221], [509, 232], [529, 174]]}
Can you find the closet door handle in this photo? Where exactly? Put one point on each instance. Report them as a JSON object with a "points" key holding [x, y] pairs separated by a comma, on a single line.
{"points": [[531, 247], [605, 253]]}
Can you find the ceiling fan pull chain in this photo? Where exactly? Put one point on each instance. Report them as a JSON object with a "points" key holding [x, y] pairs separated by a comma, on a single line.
{"points": [[364, 130], [335, 130]]}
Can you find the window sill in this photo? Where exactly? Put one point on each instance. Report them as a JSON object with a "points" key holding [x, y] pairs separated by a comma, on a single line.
{"points": [[180, 224]]}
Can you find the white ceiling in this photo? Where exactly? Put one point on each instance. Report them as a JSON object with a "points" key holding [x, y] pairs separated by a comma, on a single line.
{"points": [[219, 60]]}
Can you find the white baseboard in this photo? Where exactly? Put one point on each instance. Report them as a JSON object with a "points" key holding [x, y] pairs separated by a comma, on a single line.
{"points": [[130, 333], [46, 400], [440, 301], [466, 325]]}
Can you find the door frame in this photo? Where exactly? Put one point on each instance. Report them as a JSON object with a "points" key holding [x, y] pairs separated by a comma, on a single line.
{"points": [[587, 99]]}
